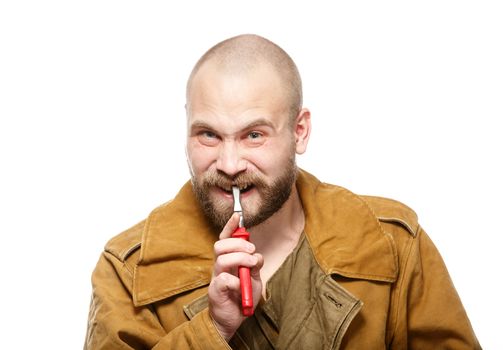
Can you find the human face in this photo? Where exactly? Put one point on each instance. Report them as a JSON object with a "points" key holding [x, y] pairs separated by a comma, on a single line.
{"points": [[239, 134]]}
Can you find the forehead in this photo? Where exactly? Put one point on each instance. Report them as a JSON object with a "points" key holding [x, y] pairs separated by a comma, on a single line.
{"points": [[236, 96]]}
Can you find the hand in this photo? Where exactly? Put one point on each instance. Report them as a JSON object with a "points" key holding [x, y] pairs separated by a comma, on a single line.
{"points": [[224, 292]]}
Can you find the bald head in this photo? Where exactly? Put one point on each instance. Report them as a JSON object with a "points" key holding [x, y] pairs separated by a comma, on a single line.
{"points": [[242, 55]]}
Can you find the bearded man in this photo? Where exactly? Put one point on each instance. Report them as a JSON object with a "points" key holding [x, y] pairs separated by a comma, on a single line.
{"points": [[329, 269]]}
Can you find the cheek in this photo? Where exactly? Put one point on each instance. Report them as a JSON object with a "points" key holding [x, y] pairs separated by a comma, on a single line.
{"points": [[272, 158], [200, 157]]}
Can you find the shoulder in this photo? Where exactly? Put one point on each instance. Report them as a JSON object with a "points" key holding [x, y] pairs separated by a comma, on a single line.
{"points": [[126, 243], [392, 212], [392, 215]]}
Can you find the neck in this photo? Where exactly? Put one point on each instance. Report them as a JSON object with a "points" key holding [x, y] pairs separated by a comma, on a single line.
{"points": [[282, 230]]}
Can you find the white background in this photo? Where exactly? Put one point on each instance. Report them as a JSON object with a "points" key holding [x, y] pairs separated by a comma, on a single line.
{"points": [[405, 100]]}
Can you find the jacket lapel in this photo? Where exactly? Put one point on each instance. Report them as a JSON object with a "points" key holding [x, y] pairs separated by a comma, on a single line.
{"points": [[176, 250], [344, 233], [323, 324]]}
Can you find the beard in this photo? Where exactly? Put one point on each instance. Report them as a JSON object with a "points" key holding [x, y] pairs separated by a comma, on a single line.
{"points": [[272, 196]]}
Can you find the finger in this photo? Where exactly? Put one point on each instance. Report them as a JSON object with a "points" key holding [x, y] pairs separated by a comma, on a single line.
{"points": [[255, 270], [226, 283], [231, 245], [230, 262], [230, 226]]}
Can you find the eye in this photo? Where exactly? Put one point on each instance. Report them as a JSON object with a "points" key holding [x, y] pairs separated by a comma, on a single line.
{"points": [[255, 138], [254, 135], [208, 138], [208, 134]]}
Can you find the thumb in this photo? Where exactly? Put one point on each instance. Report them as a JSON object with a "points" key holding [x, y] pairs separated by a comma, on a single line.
{"points": [[230, 226]]}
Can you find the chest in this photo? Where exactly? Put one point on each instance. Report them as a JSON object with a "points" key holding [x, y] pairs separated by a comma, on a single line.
{"points": [[304, 308], [307, 309], [271, 265], [274, 259]]}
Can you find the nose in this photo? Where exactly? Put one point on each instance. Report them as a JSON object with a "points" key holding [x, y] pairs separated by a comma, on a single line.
{"points": [[229, 160]]}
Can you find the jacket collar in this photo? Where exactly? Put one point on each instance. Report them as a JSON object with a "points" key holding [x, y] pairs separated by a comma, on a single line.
{"points": [[177, 242], [176, 250], [344, 233]]}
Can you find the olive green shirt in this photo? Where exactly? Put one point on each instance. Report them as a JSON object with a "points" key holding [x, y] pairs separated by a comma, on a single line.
{"points": [[282, 320]]}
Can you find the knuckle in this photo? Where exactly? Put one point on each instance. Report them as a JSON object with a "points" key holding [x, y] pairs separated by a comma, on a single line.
{"points": [[225, 278], [223, 281], [216, 247], [253, 260], [220, 260]]}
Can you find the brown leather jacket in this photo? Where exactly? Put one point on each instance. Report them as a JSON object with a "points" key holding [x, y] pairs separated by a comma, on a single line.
{"points": [[385, 285]]}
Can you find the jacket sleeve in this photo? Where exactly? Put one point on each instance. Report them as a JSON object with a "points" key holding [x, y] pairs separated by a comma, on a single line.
{"points": [[430, 314], [115, 323]]}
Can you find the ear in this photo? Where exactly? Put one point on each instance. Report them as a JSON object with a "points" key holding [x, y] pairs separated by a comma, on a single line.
{"points": [[302, 130]]}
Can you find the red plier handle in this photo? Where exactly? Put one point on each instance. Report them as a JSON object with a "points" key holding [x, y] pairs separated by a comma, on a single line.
{"points": [[244, 277]]}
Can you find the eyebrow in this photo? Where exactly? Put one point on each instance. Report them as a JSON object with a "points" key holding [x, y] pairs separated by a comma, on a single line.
{"points": [[259, 122], [199, 124]]}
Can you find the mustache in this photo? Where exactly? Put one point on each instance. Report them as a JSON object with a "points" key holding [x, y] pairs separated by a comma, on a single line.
{"points": [[224, 181]]}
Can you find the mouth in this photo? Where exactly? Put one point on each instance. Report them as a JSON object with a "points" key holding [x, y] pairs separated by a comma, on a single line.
{"points": [[243, 188]]}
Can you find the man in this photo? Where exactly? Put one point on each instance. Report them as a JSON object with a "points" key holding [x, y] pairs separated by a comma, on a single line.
{"points": [[329, 269]]}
